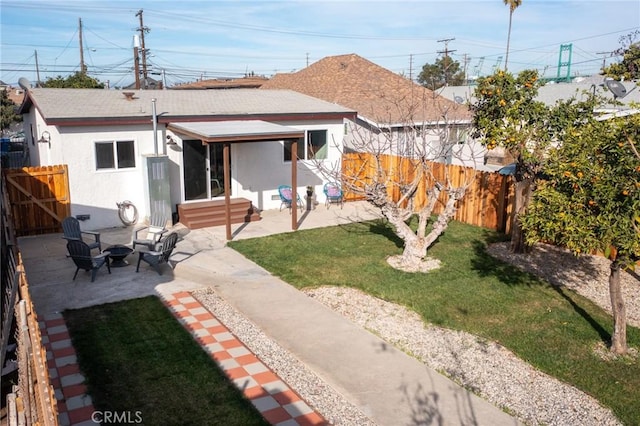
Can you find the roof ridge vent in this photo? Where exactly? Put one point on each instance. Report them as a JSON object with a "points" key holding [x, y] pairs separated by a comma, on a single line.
{"points": [[129, 95]]}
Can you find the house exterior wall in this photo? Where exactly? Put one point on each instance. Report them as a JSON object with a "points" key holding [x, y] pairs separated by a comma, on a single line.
{"points": [[258, 168], [260, 184], [95, 192]]}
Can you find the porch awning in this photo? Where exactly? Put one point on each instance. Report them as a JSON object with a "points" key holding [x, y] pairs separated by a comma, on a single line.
{"points": [[235, 131]]}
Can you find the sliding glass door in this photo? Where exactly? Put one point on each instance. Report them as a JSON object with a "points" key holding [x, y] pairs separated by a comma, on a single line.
{"points": [[203, 170]]}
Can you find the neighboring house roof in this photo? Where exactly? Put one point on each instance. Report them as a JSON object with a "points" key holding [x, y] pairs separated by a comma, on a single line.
{"points": [[552, 92], [15, 94], [152, 84], [252, 82], [377, 94], [93, 106]]}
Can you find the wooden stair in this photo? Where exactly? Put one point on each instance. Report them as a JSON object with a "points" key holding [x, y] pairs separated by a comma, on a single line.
{"points": [[212, 213]]}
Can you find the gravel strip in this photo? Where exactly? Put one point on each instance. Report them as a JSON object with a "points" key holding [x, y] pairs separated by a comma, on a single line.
{"points": [[323, 398], [484, 367]]}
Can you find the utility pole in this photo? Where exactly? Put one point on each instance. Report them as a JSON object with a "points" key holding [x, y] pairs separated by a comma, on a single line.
{"points": [[37, 69], [136, 61], [466, 62], [307, 59], [411, 67], [604, 58], [143, 30], [446, 57], [83, 67]]}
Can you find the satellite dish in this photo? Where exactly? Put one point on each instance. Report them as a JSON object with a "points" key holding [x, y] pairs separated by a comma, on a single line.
{"points": [[617, 88], [24, 83], [458, 99]]}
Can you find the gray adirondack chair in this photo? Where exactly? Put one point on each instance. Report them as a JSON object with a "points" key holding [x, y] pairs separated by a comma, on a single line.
{"points": [[72, 231], [160, 254], [80, 253], [150, 234]]}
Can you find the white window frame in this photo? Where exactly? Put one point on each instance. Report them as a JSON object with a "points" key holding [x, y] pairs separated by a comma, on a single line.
{"points": [[114, 147], [306, 146]]}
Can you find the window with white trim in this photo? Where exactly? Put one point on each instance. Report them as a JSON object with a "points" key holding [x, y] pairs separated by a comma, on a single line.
{"points": [[115, 155], [313, 147]]}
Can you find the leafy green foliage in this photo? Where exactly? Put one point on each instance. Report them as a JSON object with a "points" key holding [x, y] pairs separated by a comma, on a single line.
{"points": [[445, 71], [507, 114], [9, 115], [629, 68], [78, 80], [590, 200]]}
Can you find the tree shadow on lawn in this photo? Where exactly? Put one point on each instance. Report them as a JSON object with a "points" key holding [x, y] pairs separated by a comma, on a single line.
{"points": [[544, 265], [605, 336], [377, 227]]}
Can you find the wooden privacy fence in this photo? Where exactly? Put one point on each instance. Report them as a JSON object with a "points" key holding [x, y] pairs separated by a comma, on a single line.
{"points": [[488, 201], [31, 401], [39, 198]]}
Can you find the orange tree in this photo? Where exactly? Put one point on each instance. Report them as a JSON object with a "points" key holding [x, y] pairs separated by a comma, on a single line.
{"points": [[589, 201], [508, 115]]}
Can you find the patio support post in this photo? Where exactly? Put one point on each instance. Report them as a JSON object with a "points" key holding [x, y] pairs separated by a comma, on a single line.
{"points": [[294, 184], [227, 188]]}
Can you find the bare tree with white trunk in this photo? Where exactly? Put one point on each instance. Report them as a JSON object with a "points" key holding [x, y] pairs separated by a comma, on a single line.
{"points": [[401, 172]]}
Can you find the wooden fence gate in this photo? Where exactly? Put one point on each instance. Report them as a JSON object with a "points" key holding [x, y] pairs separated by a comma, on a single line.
{"points": [[39, 198]]}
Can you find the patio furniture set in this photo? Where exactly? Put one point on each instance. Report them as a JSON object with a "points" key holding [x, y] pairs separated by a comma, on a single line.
{"points": [[332, 192], [154, 236]]}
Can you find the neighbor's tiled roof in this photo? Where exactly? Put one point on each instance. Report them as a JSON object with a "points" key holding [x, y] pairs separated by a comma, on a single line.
{"points": [[376, 93], [79, 104], [236, 83]]}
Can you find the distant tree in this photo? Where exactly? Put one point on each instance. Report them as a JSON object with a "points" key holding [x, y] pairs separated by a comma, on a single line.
{"points": [[78, 80], [590, 202], [513, 5], [9, 115], [629, 68], [444, 72]]}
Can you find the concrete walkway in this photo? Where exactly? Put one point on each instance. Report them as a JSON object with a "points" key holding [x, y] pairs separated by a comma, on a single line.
{"points": [[387, 385]]}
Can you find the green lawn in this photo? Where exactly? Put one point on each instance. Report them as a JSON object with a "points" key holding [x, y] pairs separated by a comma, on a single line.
{"points": [[137, 358], [553, 329]]}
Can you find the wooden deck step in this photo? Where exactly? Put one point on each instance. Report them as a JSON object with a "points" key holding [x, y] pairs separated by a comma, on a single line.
{"points": [[203, 214]]}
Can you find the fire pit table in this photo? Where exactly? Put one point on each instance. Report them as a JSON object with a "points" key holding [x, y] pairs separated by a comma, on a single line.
{"points": [[117, 253]]}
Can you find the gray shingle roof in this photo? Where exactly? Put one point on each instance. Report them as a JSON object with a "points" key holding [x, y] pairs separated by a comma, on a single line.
{"points": [[552, 92], [113, 104]]}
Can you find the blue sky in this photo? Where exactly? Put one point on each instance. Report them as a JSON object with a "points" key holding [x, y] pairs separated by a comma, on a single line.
{"points": [[190, 40]]}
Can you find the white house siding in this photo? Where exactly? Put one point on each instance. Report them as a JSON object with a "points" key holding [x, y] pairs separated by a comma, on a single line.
{"points": [[257, 168], [96, 192], [470, 153]]}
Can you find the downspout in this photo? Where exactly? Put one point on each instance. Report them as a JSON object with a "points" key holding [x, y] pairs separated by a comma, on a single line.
{"points": [[155, 126]]}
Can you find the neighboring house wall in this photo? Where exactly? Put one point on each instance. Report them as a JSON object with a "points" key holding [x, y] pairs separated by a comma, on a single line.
{"points": [[448, 144], [384, 101]]}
